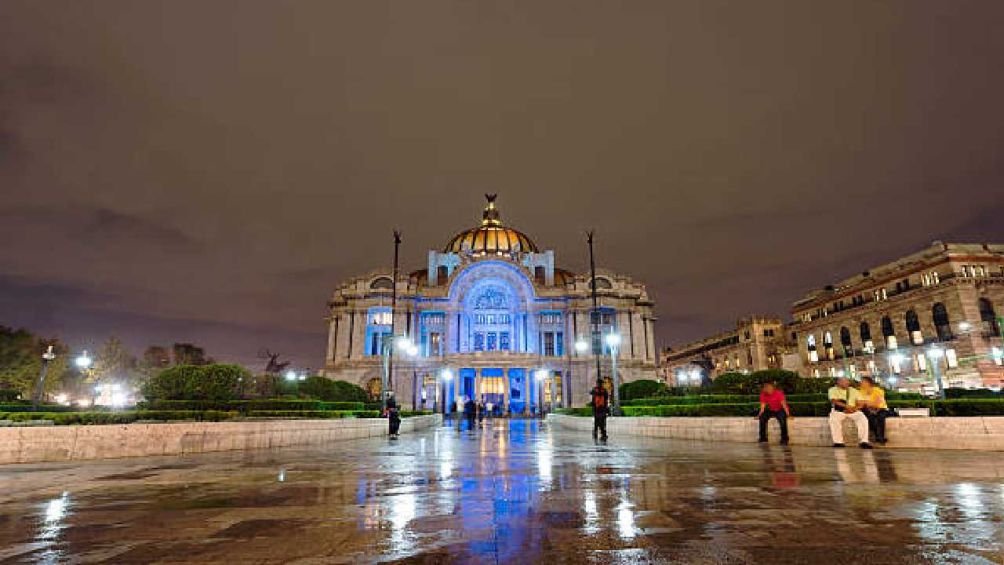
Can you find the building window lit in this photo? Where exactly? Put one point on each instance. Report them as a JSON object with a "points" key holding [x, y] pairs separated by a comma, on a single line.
{"points": [[998, 355], [951, 358], [921, 362]]}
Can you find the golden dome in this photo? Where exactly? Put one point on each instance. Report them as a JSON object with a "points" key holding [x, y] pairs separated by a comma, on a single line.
{"points": [[491, 237]]}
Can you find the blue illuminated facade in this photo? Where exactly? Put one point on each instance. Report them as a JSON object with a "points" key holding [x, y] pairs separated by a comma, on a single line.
{"points": [[493, 319]]}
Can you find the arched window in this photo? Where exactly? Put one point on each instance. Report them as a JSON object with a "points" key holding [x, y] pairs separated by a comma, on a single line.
{"points": [[989, 318], [811, 342], [866, 332], [827, 340], [603, 284], [942, 324], [913, 328], [845, 341], [887, 329], [382, 283]]}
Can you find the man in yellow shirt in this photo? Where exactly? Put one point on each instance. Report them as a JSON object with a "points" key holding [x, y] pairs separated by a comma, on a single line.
{"points": [[871, 401], [844, 406]]}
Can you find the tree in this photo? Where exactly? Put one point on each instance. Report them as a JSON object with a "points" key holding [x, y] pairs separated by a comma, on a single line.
{"points": [[189, 354], [197, 382], [114, 363], [155, 359], [21, 362]]}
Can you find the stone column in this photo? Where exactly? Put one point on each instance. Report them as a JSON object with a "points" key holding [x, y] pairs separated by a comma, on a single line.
{"points": [[477, 384], [332, 339]]}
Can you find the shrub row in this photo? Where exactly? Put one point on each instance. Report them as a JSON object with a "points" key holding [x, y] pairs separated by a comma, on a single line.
{"points": [[741, 398], [950, 407], [126, 417], [250, 405], [27, 407]]}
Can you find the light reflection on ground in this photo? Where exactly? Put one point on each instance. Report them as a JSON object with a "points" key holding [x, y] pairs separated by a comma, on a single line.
{"points": [[514, 492]]}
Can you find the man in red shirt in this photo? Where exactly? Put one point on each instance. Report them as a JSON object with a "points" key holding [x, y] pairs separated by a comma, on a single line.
{"points": [[773, 405]]}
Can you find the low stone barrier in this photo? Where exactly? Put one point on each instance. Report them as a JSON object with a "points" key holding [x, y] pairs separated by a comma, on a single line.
{"points": [[984, 433], [73, 443]]}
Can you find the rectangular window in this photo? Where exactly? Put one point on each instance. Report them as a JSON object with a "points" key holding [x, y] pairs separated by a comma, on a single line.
{"points": [[559, 343], [380, 318], [813, 356], [504, 341], [549, 344], [917, 337], [890, 342], [479, 341], [921, 363], [435, 344], [492, 341]]}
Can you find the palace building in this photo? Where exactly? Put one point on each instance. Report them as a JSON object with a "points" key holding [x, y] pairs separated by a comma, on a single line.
{"points": [[491, 317], [757, 343], [935, 313]]}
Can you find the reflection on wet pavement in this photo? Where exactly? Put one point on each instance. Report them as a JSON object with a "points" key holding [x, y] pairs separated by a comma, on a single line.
{"points": [[516, 492]]}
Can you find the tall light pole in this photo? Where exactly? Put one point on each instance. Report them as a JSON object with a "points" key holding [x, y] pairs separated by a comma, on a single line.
{"points": [[613, 340], [540, 375], [388, 344], [47, 355], [595, 314]]}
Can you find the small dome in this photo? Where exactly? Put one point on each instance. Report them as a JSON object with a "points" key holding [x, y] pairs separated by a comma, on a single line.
{"points": [[491, 237]]}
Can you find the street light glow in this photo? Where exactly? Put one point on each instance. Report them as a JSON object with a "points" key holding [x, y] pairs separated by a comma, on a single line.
{"points": [[613, 340], [935, 353], [541, 374], [964, 326], [581, 346], [291, 375], [83, 361], [446, 375]]}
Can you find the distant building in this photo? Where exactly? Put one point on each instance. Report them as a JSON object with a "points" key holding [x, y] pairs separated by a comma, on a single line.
{"points": [[491, 311], [934, 310], [757, 343]]}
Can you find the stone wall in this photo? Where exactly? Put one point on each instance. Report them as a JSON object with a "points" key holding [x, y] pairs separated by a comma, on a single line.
{"points": [[981, 433], [73, 443]]}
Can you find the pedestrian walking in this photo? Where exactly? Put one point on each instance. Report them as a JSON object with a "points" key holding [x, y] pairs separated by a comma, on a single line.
{"points": [[600, 402], [469, 412]]}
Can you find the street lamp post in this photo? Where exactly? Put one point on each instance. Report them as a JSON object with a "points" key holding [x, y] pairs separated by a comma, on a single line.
{"points": [[595, 314], [388, 355], [540, 376], [613, 342], [47, 355]]}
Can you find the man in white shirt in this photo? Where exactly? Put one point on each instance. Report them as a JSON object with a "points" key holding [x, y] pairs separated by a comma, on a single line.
{"points": [[844, 404]]}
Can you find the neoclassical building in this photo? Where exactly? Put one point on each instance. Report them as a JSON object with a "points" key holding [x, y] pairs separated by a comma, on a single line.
{"points": [[933, 313], [493, 317]]}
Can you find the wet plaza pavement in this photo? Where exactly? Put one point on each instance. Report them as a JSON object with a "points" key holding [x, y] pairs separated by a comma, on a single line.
{"points": [[515, 492]]}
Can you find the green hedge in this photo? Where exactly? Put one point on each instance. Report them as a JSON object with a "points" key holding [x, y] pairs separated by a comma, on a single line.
{"points": [[947, 408], [972, 393], [87, 418], [741, 398], [641, 389], [126, 417], [250, 405], [27, 407]]}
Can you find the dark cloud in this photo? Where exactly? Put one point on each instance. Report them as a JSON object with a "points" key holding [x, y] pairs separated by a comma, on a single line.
{"points": [[216, 168]]}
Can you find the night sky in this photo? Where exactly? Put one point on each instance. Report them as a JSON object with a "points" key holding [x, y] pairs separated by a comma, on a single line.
{"points": [[209, 171]]}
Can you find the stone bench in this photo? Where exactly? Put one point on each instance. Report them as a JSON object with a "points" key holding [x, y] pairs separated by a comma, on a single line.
{"points": [[74, 443], [984, 433]]}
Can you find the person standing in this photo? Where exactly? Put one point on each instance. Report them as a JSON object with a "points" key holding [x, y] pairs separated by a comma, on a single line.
{"points": [[600, 402], [481, 413], [773, 405], [844, 403], [393, 416], [469, 412], [871, 401]]}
